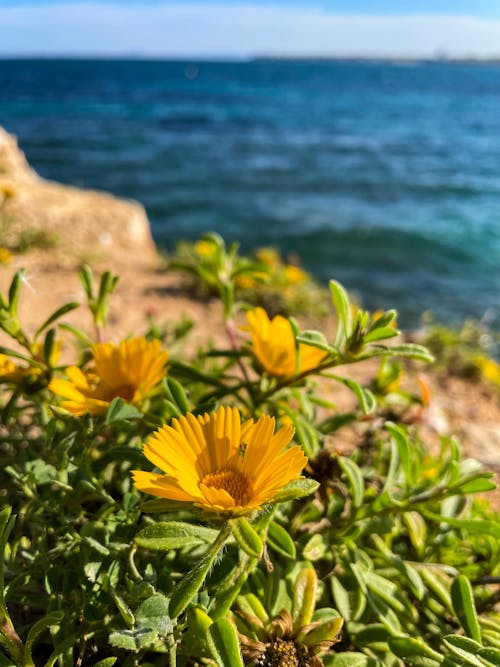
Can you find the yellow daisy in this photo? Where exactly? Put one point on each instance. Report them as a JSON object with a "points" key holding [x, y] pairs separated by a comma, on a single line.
{"points": [[294, 275], [220, 464], [9, 371], [33, 377], [273, 343], [129, 370]]}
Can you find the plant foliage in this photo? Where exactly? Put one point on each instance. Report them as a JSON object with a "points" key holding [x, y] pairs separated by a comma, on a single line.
{"points": [[377, 556]]}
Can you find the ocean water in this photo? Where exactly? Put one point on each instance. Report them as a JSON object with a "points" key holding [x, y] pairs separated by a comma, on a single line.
{"points": [[385, 176]]}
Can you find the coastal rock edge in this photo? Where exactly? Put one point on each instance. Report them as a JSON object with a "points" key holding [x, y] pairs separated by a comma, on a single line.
{"points": [[80, 224]]}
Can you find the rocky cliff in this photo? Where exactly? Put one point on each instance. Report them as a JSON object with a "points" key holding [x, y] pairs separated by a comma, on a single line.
{"points": [[80, 224]]}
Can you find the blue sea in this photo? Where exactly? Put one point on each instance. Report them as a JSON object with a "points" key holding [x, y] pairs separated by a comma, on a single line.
{"points": [[385, 176]]}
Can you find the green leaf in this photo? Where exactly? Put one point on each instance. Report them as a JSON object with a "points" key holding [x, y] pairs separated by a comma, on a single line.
{"points": [[14, 291], [380, 593], [437, 584], [17, 355], [417, 531], [490, 637], [384, 320], [153, 615], [107, 662], [279, 540], [48, 346], [177, 395], [223, 643], [394, 473], [300, 488], [305, 434], [326, 631], [472, 526], [315, 548], [350, 659], [490, 655], [304, 597], [341, 598], [51, 619], [251, 604], [401, 439], [366, 399], [464, 648], [133, 640], [119, 411], [247, 537], [381, 333], [355, 477], [66, 645], [78, 333], [189, 585], [415, 652], [67, 308], [465, 610], [87, 279], [167, 535], [125, 611], [478, 484], [277, 594], [342, 305], [406, 350], [96, 545], [316, 339], [6, 524]]}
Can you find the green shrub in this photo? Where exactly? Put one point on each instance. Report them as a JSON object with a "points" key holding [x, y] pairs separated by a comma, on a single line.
{"points": [[235, 551]]}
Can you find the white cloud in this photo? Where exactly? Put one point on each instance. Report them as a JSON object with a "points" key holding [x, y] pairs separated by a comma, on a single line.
{"points": [[217, 29]]}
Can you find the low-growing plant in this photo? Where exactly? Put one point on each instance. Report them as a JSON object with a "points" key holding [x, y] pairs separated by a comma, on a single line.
{"points": [[242, 533], [263, 279], [470, 351]]}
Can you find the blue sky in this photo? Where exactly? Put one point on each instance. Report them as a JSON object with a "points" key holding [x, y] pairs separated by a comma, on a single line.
{"points": [[243, 28]]}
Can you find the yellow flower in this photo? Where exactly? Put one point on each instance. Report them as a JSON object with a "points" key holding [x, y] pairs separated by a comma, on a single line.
{"points": [[204, 248], [28, 378], [488, 367], [273, 343], [220, 464], [245, 282], [268, 256], [5, 255], [294, 275], [129, 370], [9, 371]]}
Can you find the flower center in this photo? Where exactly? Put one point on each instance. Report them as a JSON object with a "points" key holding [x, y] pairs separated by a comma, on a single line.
{"points": [[284, 653], [235, 483], [125, 391]]}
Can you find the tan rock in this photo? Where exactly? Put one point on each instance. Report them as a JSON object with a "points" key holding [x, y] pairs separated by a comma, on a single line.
{"points": [[81, 225], [13, 162]]}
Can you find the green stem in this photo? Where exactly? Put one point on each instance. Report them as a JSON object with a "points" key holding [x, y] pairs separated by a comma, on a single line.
{"points": [[191, 583], [172, 649], [12, 642], [288, 381]]}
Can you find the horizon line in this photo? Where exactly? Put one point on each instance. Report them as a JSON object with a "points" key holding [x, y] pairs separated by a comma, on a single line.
{"points": [[433, 58]]}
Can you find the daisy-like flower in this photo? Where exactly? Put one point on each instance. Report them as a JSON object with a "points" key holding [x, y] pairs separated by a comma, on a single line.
{"points": [[33, 377], [9, 371], [129, 370], [292, 638], [273, 343], [282, 646], [219, 464]]}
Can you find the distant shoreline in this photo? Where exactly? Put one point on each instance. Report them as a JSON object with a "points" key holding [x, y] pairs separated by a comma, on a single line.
{"points": [[384, 60]]}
